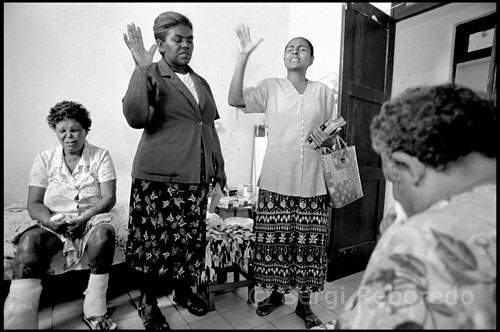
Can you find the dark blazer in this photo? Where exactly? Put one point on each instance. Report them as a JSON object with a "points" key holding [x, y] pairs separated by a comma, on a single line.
{"points": [[170, 146]]}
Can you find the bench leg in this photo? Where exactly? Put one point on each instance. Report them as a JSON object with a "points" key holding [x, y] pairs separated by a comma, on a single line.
{"points": [[236, 273], [211, 301]]}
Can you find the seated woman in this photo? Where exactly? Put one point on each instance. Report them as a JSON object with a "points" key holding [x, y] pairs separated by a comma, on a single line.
{"points": [[72, 187], [435, 268]]}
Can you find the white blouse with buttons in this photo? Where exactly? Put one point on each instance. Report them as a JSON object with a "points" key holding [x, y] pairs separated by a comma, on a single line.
{"points": [[291, 167], [72, 192]]}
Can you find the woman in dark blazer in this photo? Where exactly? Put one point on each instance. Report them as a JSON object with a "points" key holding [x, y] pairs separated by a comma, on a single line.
{"points": [[177, 158]]}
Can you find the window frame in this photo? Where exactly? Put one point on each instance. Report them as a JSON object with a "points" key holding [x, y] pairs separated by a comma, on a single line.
{"points": [[462, 36]]}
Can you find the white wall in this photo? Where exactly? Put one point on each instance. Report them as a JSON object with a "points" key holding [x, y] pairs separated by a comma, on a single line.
{"points": [[424, 44], [75, 51], [424, 49], [324, 34]]}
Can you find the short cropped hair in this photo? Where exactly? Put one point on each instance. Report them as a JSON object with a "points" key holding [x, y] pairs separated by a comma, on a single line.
{"points": [[307, 41], [168, 20]]}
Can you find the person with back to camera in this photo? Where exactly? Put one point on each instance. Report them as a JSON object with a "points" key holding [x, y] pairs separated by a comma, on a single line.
{"points": [[178, 157], [291, 224], [72, 189], [435, 269]]}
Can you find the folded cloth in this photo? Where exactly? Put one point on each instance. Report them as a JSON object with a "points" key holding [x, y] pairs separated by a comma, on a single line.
{"points": [[214, 221], [227, 245], [69, 248], [243, 222], [73, 249], [70, 251]]}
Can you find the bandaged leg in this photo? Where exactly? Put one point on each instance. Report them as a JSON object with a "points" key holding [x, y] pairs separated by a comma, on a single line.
{"points": [[95, 295], [21, 305]]}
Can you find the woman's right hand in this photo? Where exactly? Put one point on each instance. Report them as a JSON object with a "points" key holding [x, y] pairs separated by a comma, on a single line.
{"points": [[135, 44], [57, 224], [245, 44]]}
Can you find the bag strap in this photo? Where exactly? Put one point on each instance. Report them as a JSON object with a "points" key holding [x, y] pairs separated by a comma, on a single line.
{"points": [[326, 150], [340, 143]]}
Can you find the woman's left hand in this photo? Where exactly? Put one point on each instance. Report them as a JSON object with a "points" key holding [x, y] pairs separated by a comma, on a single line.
{"points": [[321, 139], [220, 177], [76, 228]]}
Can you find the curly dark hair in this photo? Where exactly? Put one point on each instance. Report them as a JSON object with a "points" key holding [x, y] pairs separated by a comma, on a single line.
{"points": [[437, 124], [69, 110]]}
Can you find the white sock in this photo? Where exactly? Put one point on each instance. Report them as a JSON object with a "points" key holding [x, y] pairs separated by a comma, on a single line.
{"points": [[20, 309], [95, 295]]}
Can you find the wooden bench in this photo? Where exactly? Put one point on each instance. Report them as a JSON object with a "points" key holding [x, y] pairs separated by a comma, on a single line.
{"points": [[230, 250]]}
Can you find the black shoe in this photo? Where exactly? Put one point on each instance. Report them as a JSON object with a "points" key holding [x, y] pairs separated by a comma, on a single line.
{"points": [[152, 318], [309, 317], [194, 303], [267, 306]]}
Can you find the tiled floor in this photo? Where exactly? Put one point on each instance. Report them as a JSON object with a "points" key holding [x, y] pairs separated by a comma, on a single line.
{"points": [[231, 310]]}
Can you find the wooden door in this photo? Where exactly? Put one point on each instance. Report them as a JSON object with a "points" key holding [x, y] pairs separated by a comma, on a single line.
{"points": [[365, 83]]}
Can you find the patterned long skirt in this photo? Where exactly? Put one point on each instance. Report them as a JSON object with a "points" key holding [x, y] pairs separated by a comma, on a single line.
{"points": [[291, 242], [167, 230]]}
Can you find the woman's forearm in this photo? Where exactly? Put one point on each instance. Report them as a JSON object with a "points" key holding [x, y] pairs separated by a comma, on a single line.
{"points": [[135, 102], [219, 158], [105, 204], [235, 97], [38, 211]]}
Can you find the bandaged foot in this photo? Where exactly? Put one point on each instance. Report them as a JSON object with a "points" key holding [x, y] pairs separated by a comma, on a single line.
{"points": [[21, 305], [94, 303]]}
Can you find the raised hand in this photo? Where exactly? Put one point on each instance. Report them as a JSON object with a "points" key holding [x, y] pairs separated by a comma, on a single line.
{"points": [[135, 44], [245, 44]]}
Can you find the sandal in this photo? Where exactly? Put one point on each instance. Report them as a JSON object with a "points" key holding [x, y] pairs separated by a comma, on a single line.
{"points": [[194, 303], [99, 322], [309, 317], [267, 306], [152, 318]]}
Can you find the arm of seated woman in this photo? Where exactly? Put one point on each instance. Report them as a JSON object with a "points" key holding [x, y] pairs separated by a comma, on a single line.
{"points": [[105, 204], [38, 211]]}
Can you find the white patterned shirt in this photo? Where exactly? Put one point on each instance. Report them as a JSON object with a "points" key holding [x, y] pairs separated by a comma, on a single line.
{"points": [[76, 192], [434, 270]]}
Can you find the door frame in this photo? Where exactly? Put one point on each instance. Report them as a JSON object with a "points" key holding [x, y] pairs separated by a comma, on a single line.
{"points": [[351, 256]]}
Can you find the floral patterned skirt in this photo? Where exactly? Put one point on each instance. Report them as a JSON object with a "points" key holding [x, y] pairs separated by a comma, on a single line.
{"points": [[291, 241], [167, 230]]}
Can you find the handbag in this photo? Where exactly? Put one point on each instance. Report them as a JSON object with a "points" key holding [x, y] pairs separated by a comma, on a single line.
{"points": [[341, 173]]}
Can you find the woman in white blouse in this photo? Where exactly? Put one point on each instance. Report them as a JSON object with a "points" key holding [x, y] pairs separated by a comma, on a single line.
{"points": [[291, 224], [72, 188]]}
